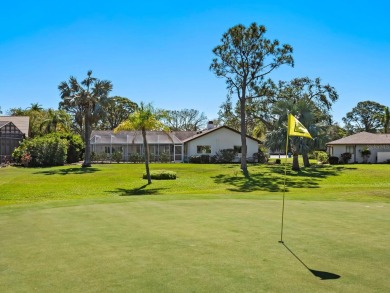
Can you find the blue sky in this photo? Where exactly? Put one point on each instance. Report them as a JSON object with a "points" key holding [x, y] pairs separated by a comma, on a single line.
{"points": [[160, 51]]}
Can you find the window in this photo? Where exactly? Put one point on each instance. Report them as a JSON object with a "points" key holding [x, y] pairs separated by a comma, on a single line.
{"points": [[203, 149], [350, 149], [107, 150]]}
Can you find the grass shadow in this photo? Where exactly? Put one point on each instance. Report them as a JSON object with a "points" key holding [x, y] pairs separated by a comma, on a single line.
{"points": [[320, 274], [68, 171], [142, 190], [271, 178]]}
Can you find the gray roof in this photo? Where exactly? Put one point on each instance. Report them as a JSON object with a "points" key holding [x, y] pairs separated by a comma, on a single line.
{"points": [[21, 122], [362, 138], [133, 137], [153, 137]]}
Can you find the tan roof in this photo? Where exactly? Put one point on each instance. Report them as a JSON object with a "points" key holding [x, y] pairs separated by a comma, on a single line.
{"points": [[362, 138], [21, 122]]}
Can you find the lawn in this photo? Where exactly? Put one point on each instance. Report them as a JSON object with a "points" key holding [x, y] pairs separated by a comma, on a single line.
{"points": [[211, 230], [342, 182]]}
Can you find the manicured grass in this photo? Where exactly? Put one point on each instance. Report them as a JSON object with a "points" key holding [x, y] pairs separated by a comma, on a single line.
{"points": [[102, 229], [342, 182], [215, 245]]}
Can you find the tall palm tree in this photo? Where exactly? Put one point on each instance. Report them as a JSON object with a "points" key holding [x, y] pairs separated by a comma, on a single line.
{"points": [[84, 100], [143, 119]]}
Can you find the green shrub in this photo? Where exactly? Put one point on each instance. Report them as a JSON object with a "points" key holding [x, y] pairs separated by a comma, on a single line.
{"points": [[202, 159], [345, 157], [44, 151], [333, 160], [224, 156], [278, 161], [116, 156], [321, 156], [161, 175], [136, 158], [194, 159], [260, 157], [164, 157]]}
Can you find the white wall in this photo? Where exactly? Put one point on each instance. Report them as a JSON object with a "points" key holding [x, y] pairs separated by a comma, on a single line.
{"points": [[222, 138], [383, 156]]}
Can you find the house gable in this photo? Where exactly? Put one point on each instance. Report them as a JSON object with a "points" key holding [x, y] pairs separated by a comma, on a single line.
{"points": [[21, 122], [216, 139]]}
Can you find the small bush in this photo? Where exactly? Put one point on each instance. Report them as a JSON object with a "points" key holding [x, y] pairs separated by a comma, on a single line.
{"points": [[321, 156], [260, 157], [333, 160], [194, 159], [224, 156], [278, 161], [161, 175], [136, 158], [164, 157], [205, 159], [116, 156], [345, 157]]}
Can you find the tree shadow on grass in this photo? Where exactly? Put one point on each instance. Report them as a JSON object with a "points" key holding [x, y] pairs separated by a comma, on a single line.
{"points": [[68, 171], [320, 274], [142, 190], [272, 178]]}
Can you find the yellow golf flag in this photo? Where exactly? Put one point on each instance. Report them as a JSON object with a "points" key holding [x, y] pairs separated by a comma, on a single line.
{"points": [[295, 128]]}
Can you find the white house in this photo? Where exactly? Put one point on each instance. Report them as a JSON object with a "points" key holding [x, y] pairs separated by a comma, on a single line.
{"points": [[378, 144], [178, 145]]}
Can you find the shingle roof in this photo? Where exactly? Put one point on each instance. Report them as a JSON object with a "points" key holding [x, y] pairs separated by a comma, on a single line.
{"points": [[21, 122], [2, 123], [153, 137], [123, 137], [363, 138]]}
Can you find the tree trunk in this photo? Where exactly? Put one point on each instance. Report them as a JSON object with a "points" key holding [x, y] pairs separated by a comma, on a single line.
{"points": [[87, 135], [295, 165], [306, 161], [146, 156], [244, 167]]}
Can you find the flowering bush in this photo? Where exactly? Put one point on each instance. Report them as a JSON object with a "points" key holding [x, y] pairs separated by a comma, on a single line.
{"points": [[25, 158]]}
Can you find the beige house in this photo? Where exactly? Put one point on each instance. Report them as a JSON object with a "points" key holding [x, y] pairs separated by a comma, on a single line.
{"points": [[378, 144], [178, 145]]}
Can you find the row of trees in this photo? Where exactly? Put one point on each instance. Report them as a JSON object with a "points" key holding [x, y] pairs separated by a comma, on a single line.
{"points": [[244, 58]]}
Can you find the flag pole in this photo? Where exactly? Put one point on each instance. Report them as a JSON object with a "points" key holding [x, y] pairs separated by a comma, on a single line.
{"points": [[284, 181]]}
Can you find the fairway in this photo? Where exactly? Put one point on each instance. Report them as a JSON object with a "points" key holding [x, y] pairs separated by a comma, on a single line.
{"points": [[195, 245]]}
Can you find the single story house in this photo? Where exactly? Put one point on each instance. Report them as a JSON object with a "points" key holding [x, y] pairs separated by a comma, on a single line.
{"points": [[378, 144], [178, 145], [13, 129]]}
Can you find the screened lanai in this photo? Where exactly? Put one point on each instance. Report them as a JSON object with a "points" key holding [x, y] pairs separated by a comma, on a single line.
{"points": [[129, 143], [10, 137]]}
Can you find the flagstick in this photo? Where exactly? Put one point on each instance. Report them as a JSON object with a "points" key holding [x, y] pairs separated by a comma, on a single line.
{"points": [[284, 184]]}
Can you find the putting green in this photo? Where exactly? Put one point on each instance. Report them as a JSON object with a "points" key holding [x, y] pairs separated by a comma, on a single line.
{"points": [[214, 245]]}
